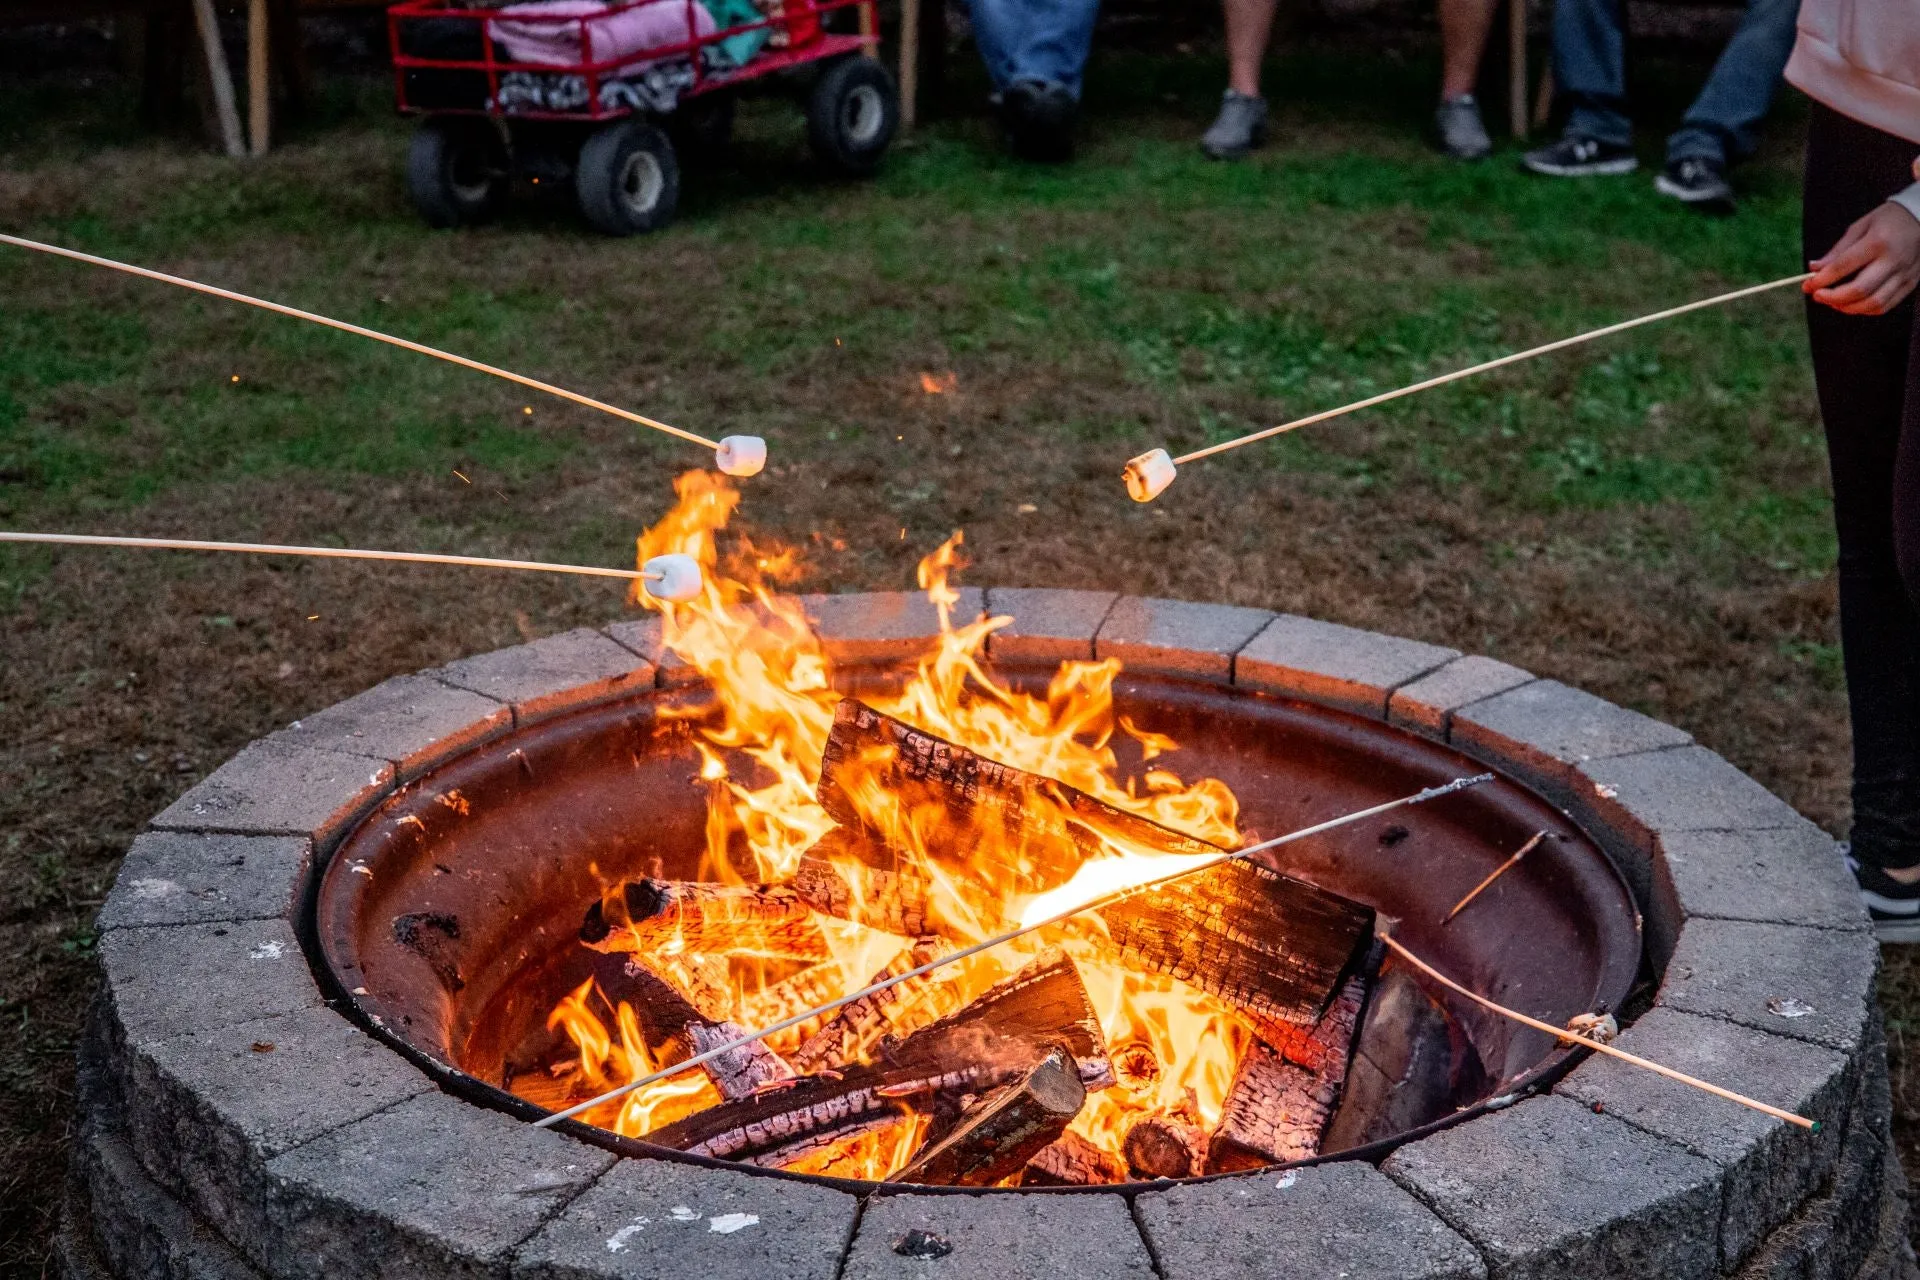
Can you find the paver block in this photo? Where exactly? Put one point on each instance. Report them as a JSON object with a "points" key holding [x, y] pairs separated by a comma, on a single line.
{"points": [[878, 626], [183, 877], [1176, 637], [278, 787], [1333, 665], [1032, 1237], [659, 1220], [431, 1187], [645, 637], [1323, 1222], [217, 1104], [1048, 626], [1771, 1167], [1788, 875], [1809, 984], [137, 1229], [412, 721], [1543, 729], [1690, 789], [166, 981], [552, 675], [1548, 1190], [1428, 704]]}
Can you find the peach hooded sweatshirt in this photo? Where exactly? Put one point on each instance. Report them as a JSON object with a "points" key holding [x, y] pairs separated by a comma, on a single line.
{"points": [[1862, 58]]}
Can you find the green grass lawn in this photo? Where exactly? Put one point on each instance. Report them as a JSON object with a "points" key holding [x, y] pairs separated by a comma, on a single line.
{"points": [[1647, 517]]}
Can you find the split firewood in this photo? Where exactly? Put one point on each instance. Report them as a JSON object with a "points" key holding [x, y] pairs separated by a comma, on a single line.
{"points": [[705, 980], [1271, 946], [673, 1029], [678, 916], [1164, 1147], [1072, 1161], [849, 874], [852, 1030], [1281, 1100], [1001, 1132], [977, 1049], [812, 986]]}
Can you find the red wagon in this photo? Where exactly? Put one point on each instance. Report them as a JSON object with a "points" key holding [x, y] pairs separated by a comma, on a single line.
{"points": [[605, 95]]}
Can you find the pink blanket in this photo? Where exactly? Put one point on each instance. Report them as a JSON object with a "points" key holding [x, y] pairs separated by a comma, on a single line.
{"points": [[548, 32]]}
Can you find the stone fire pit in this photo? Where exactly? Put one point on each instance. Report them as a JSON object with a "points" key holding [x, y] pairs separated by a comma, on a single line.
{"points": [[234, 1124]]}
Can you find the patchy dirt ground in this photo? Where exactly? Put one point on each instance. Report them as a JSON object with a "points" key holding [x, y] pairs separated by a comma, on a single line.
{"points": [[1651, 531]]}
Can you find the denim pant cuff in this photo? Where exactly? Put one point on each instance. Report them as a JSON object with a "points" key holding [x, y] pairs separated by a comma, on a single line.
{"points": [[1601, 123]]}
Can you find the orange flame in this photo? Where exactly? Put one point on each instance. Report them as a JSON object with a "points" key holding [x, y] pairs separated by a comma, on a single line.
{"points": [[940, 384], [773, 684]]}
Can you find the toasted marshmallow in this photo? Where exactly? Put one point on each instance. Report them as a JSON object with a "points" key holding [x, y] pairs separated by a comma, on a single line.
{"points": [[1149, 475], [672, 577], [741, 455]]}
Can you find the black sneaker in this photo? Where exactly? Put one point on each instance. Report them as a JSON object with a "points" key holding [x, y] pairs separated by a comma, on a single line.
{"points": [[1576, 157], [1697, 181], [1894, 907], [1039, 115]]}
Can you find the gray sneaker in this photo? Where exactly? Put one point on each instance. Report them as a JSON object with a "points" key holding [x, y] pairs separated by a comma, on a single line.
{"points": [[1462, 134], [1239, 128]]}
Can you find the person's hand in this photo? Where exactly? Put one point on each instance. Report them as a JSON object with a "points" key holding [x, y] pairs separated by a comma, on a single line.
{"points": [[1873, 267]]}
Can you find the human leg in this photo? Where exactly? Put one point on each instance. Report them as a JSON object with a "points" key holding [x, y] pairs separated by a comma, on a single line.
{"points": [[1463, 39], [1242, 122], [1723, 123], [1590, 68]]}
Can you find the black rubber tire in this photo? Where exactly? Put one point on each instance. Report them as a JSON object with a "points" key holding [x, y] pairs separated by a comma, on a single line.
{"points": [[628, 179], [852, 115], [457, 171], [702, 129]]}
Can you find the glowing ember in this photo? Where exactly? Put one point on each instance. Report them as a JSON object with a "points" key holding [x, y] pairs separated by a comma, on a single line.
{"points": [[761, 747], [940, 384]]}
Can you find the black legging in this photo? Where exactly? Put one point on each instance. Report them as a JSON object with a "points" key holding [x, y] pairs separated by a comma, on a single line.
{"points": [[1867, 370]]}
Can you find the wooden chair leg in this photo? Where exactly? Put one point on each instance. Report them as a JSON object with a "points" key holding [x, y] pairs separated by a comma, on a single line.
{"points": [[1543, 103], [909, 63], [1517, 67], [259, 88]]}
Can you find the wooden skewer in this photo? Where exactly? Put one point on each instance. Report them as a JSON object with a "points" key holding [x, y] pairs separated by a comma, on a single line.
{"points": [[332, 553], [403, 343], [1489, 365], [1498, 871], [1399, 949], [1199, 864]]}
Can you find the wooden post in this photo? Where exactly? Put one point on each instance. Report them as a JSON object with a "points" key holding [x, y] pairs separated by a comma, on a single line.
{"points": [[869, 28], [219, 79], [909, 62], [259, 120], [1517, 67], [1543, 103]]}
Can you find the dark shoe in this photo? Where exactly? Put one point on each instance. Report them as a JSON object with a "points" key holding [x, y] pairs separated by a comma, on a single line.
{"points": [[1697, 181], [1463, 135], [1893, 907], [1039, 117], [1577, 157], [1239, 128]]}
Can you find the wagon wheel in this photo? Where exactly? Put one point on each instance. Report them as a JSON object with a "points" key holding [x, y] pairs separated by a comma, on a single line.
{"points": [[852, 114], [457, 172], [628, 179]]}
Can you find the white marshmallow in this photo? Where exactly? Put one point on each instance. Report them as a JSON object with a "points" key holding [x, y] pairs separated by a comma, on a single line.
{"points": [[1149, 475], [741, 455], [677, 577]]}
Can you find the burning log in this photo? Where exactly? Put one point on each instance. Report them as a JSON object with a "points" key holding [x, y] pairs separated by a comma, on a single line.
{"points": [[812, 986], [850, 875], [1272, 946], [974, 1050], [1072, 1161], [693, 916], [673, 1029], [1164, 1147], [852, 1030], [1002, 1131], [1281, 1100]]}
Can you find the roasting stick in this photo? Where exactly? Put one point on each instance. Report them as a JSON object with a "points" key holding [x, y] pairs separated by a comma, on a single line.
{"points": [[1399, 949], [1148, 475], [676, 577], [1498, 871], [735, 455], [1419, 797]]}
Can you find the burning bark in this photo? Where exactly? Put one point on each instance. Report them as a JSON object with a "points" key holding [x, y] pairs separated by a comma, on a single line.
{"points": [[1281, 1101], [1071, 1161], [1001, 1132], [1164, 1147], [674, 1030], [810, 987], [852, 876], [852, 1030], [767, 922]]}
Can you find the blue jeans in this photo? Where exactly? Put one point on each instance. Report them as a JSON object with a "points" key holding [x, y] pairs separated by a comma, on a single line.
{"points": [[1589, 65], [1045, 40]]}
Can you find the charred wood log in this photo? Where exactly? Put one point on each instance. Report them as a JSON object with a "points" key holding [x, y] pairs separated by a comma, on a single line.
{"points": [[1001, 1132], [849, 874], [1164, 1147], [1072, 1161], [810, 987], [1273, 947], [770, 922], [852, 1030], [674, 1030], [982, 1046], [1281, 1100]]}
